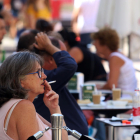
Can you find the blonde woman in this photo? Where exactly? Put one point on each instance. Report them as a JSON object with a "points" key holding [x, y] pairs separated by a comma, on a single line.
{"points": [[37, 9]]}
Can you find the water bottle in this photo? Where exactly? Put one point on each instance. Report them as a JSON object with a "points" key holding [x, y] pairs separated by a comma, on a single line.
{"points": [[136, 106], [3, 56]]}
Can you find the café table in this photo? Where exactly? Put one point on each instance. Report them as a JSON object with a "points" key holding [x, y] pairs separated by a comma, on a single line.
{"points": [[109, 111], [112, 127]]}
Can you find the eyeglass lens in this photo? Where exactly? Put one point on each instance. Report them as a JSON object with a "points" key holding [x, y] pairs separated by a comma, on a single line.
{"points": [[40, 72]]}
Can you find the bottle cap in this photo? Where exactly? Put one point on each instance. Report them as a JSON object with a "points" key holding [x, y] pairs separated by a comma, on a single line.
{"points": [[137, 89], [124, 121], [128, 122]]}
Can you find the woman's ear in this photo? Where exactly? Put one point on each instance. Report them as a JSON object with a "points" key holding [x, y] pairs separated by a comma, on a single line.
{"points": [[50, 59], [22, 83]]}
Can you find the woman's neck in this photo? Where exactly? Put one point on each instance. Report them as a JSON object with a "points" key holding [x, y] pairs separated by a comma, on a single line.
{"points": [[108, 57], [31, 98], [40, 4]]}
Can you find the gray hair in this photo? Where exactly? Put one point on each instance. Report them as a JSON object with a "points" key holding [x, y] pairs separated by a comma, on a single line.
{"points": [[12, 70]]}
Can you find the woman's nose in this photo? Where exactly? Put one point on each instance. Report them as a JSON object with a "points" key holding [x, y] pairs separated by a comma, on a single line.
{"points": [[44, 75]]}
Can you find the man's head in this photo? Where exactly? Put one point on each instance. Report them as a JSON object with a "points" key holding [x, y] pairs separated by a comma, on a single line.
{"points": [[43, 25], [49, 62], [59, 38], [26, 40], [2, 28]]}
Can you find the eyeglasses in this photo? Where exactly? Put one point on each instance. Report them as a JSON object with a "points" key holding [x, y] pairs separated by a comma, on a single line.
{"points": [[39, 72]]}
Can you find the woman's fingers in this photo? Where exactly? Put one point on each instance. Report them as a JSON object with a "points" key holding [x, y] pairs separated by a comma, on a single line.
{"points": [[47, 86], [55, 96], [51, 94]]}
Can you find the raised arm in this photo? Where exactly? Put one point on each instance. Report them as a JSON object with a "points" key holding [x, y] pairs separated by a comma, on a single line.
{"points": [[66, 65], [75, 14], [44, 43]]}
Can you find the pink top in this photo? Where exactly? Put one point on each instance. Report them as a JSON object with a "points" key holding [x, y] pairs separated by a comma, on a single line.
{"points": [[3, 111]]}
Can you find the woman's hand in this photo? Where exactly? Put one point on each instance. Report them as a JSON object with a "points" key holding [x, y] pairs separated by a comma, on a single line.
{"points": [[51, 99]]}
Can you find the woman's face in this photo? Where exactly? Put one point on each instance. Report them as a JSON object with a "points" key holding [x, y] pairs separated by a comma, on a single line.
{"points": [[99, 48], [33, 83]]}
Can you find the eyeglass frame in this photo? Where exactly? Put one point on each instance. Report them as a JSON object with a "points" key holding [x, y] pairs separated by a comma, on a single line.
{"points": [[39, 75]]}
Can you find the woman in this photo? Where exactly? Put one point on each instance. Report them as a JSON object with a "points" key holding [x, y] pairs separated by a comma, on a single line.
{"points": [[37, 9], [122, 72], [21, 80], [88, 63]]}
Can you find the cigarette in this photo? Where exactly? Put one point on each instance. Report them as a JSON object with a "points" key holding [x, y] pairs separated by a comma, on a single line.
{"points": [[51, 82]]}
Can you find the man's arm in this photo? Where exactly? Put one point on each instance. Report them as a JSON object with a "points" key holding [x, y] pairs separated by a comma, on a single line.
{"points": [[44, 43], [66, 67]]}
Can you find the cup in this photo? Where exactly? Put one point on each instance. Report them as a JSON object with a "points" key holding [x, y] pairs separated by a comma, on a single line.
{"points": [[137, 136], [96, 98], [116, 93]]}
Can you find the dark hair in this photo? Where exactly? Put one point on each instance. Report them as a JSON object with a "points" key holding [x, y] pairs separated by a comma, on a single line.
{"points": [[69, 36], [25, 41], [13, 69], [108, 37], [43, 25]]}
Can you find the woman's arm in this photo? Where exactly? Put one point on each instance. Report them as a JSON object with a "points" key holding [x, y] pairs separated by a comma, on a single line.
{"points": [[77, 54], [115, 64], [51, 101]]}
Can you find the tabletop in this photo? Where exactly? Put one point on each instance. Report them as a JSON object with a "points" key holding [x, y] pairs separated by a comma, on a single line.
{"points": [[117, 124], [109, 111]]}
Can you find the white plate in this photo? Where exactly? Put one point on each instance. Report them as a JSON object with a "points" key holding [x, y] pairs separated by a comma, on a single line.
{"points": [[103, 91], [96, 105], [116, 103], [82, 104]]}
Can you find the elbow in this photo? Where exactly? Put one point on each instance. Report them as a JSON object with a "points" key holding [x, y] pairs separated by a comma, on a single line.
{"points": [[74, 68], [110, 85]]}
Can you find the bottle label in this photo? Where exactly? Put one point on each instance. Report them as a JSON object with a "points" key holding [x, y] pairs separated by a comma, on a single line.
{"points": [[139, 110], [135, 111]]}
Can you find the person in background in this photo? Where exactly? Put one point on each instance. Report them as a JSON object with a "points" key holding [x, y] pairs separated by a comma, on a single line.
{"points": [[20, 83], [88, 63], [37, 9], [2, 28], [27, 38], [84, 19], [43, 25], [59, 66], [122, 72]]}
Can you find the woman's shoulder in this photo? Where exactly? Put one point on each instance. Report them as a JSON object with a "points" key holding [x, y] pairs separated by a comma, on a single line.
{"points": [[24, 106]]}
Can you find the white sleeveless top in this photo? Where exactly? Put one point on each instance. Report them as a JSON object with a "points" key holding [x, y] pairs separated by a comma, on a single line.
{"points": [[127, 79], [3, 111]]}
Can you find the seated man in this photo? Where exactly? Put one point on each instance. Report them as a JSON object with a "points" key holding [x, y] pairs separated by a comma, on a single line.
{"points": [[59, 66]]}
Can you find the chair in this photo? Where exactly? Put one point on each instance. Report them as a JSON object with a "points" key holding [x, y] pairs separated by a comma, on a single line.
{"points": [[70, 137]]}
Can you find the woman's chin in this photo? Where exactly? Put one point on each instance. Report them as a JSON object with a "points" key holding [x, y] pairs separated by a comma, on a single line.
{"points": [[41, 92]]}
